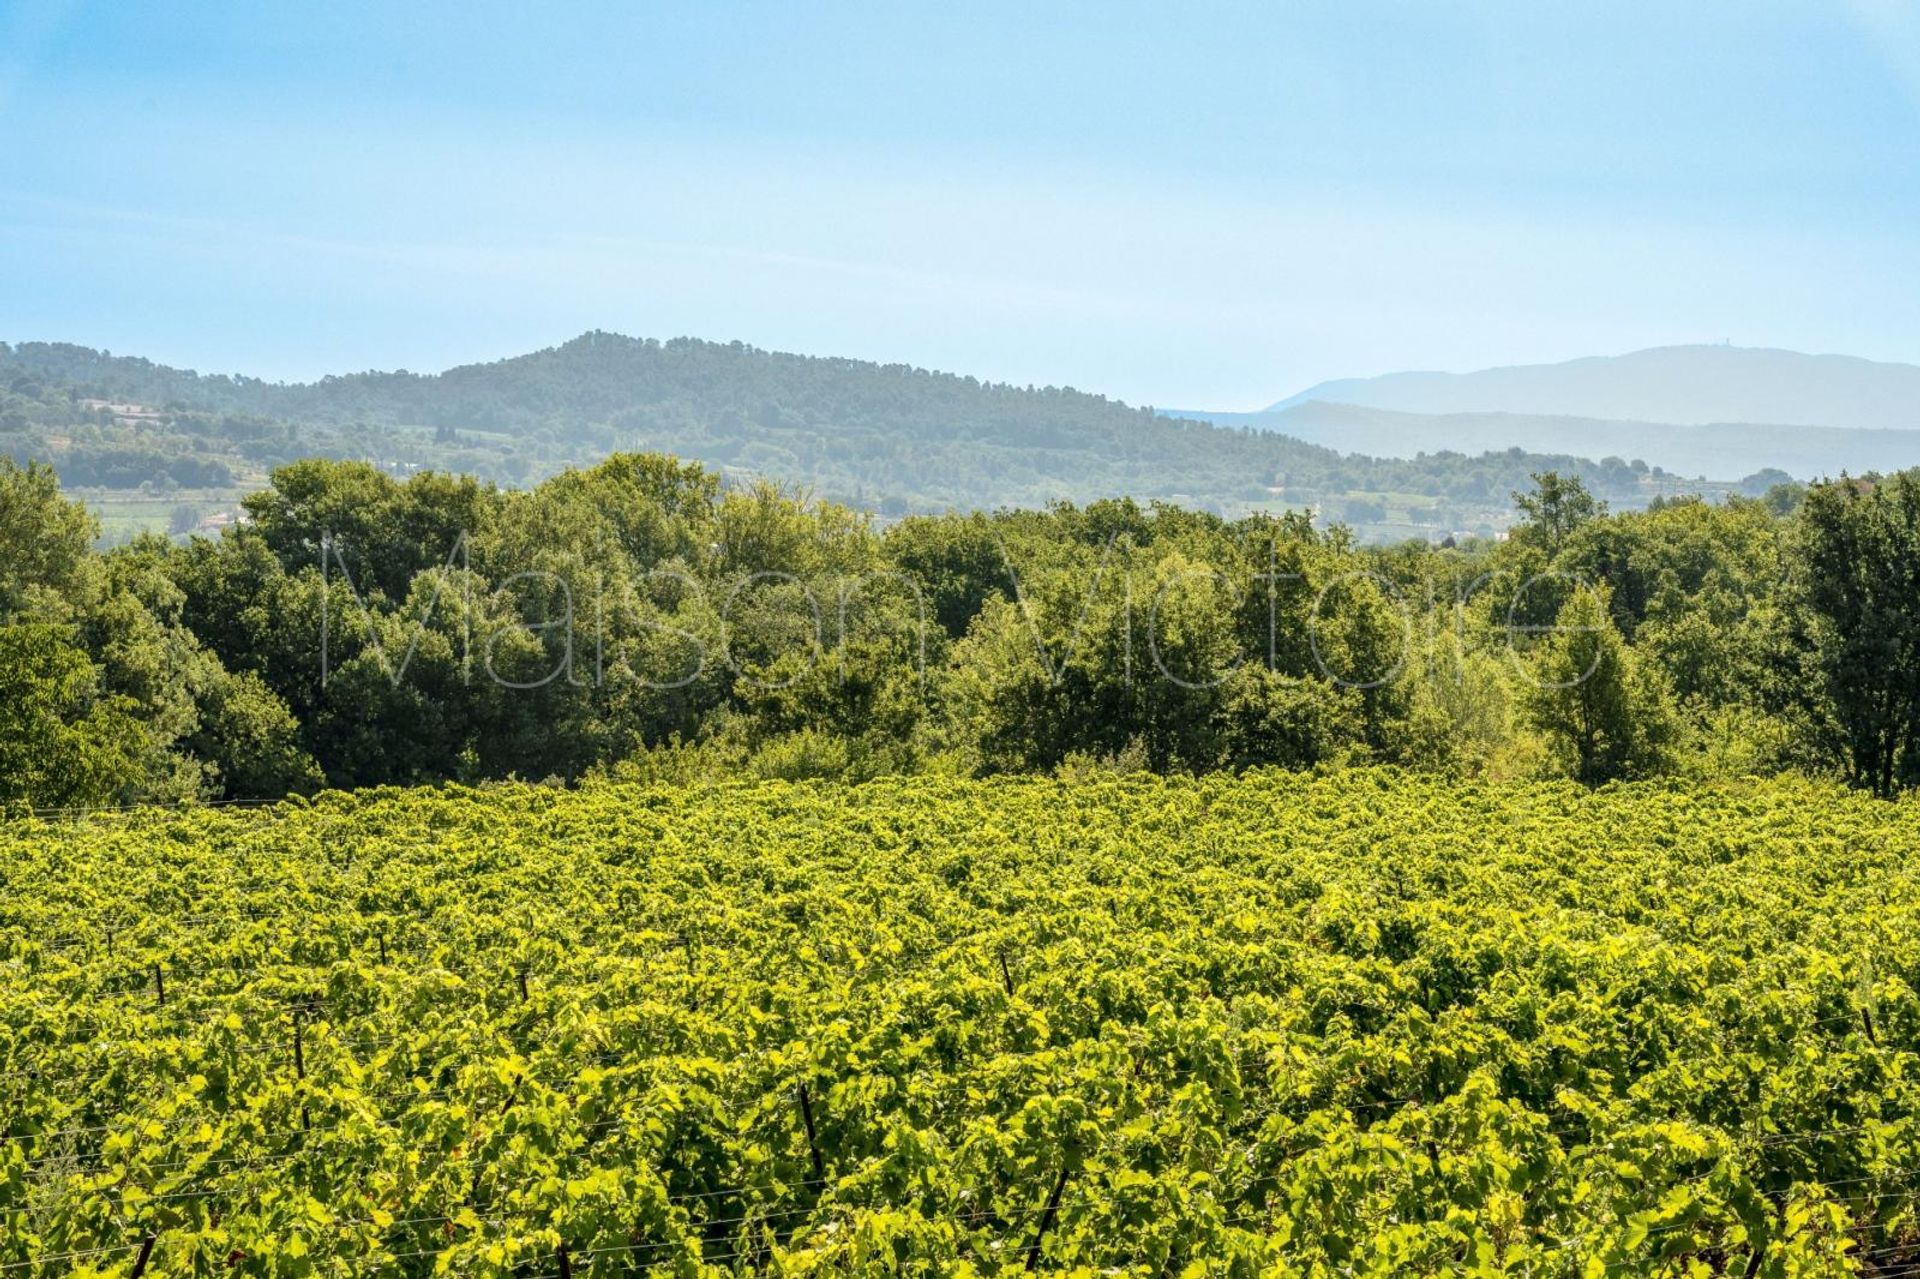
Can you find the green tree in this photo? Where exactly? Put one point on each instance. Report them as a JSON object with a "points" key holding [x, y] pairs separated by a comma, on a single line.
{"points": [[956, 559], [1557, 506], [1857, 552], [62, 742], [1605, 711], [247, 736], [44, 540], [378, 531]]}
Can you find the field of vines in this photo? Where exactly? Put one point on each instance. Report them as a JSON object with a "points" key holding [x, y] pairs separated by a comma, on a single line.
{"points": [[1363, 1024]]}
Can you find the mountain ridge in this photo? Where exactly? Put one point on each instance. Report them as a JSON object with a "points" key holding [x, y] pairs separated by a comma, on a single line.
{"points": [[1723, 451], [1689, 385], [894, 439]]}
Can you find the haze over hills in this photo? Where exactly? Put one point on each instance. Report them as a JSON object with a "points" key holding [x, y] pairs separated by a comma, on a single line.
{"points": [[1722, 451], [1685, 385], [1717, 411], [888, 438]]}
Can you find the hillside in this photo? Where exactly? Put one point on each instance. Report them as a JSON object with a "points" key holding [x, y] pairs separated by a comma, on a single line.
{"points": [[1687, 385], [888, 438]]}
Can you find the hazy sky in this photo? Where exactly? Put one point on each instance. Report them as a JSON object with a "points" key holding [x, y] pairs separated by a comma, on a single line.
{"points": [[1179, 204]]}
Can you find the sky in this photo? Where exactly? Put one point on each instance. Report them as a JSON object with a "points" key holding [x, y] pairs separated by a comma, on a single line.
{"points": [[1192, 206]]}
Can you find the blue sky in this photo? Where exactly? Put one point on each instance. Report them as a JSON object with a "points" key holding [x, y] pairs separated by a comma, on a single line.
{"points": [[1186, 205]]}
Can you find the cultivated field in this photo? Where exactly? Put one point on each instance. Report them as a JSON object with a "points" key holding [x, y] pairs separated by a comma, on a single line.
{"points": [[1364, 1024]]}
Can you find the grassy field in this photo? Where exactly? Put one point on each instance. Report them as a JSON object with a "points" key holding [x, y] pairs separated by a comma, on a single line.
{"points": [[124, 515], [1361, 1024]]}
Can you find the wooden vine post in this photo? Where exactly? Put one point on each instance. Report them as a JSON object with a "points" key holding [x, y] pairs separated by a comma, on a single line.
{"points": [[146, 1254], [1048, 1217], [813, 1143], [300, 1067]]}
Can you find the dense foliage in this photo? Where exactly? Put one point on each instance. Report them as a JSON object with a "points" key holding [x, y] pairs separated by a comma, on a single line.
{"points": [[886, 438], [641, 618], [1362, 1024]]}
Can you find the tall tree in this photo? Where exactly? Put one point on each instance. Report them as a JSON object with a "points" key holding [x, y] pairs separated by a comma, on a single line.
{"points": [[1557, 506], [44, 540], [1858, 555], [62, 742], [1594, 700]]}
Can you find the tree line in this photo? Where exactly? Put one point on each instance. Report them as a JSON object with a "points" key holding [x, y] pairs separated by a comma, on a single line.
{"points": [[641, 618]]}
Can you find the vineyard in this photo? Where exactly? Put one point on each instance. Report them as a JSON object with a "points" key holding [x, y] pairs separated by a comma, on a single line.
{"points": [[1364, 1024]]}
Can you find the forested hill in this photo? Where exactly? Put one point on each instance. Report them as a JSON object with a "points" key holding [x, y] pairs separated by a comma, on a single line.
{"points": [[885, 437]]}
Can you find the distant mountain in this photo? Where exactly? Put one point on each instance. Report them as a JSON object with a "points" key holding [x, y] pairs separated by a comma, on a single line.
{"points": [[1687, 385], [1718, 450], [887, 438]]}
